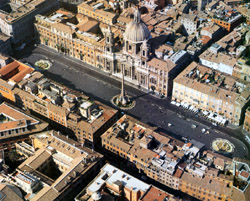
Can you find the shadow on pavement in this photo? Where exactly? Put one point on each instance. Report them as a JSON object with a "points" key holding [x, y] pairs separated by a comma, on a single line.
{"points": [[139, 96]]}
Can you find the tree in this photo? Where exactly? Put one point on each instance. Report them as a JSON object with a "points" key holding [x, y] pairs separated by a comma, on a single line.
{"points": [[13, 156]]}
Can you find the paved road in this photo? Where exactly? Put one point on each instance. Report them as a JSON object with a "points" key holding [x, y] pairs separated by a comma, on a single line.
{"points": [[148, 109]]}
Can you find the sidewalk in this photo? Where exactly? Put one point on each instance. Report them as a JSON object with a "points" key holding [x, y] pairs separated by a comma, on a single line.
{"points": [[234, 127]]}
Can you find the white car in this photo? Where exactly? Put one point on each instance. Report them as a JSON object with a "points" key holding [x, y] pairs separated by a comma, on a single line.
{"points": [[193, 126], [178, 104], [173, 102]]}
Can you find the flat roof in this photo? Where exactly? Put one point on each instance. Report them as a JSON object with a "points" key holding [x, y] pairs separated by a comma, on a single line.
{"points": [[113, 175]]}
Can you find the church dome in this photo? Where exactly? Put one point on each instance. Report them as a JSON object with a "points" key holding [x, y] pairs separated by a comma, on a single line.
{"points": [[136, 31]]}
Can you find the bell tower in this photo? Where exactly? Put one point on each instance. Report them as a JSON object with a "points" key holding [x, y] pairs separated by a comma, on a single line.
{"points": [[109, 40]]}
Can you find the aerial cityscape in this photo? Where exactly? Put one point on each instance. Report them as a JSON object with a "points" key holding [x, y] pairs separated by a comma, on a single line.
{"points": [[125, 100]]}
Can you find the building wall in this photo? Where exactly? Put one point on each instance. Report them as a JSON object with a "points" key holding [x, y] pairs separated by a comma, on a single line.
{"points": [[190, 26], [6, 93], [9, 143], [99, 15], [4, 60], [206, 102], [84, 50], [242, 70], [22, 29], [228, 26], [246, 125], [200, 193], [217, 66], [5, 46], [143, 166]]}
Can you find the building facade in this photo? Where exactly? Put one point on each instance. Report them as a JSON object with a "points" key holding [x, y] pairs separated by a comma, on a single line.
{"points": [[5, 46], [107, 46], [190, 23], [112, 183], [18, 23], [4, 60], [148, 151], [246, 125], [71, 110], [210, 90], [16, 126], [245, 11], [225, 16], [57, 167], [187, 167]]}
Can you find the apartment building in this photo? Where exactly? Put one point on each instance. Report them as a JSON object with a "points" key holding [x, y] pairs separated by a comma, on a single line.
{"points": [[73, 35], [245, 11], [9, 191], [72, 110], [211, 30], [5, 46], [190, 23], [242, 69], [214, 91], [158, 156], [218, 60], [56, 167], [4, 60], [112, 183], [16, 126], [94, 10], [246, 125], [187, 167], [202, 39], [17, 23], [225, 16], [223, 54], [10, 75], [86, 119]]}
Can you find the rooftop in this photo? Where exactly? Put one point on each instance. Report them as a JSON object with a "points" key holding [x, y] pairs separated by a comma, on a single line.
{"points": [[22, 9], [73, 106], [15, 72], [65, 152], [111, 175], [225, 13], [76, 25], [156, 193], [113, 178], [209, 81]]}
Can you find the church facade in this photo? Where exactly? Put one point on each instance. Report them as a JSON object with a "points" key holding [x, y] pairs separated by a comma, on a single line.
{"points": [[109, 48]]}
